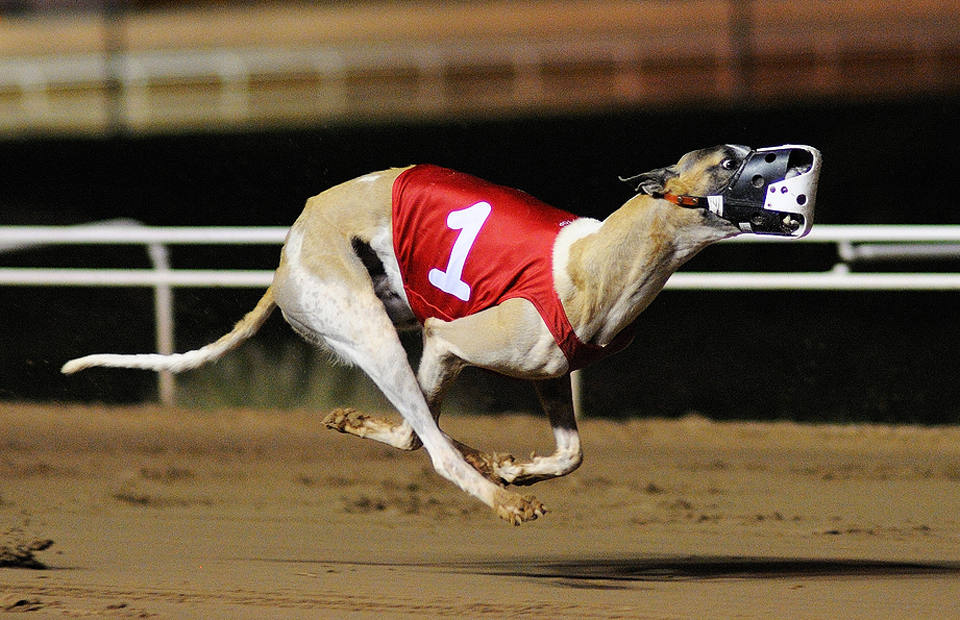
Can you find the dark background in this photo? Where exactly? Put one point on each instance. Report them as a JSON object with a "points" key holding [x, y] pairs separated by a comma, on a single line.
{"points": [[802, 355]]}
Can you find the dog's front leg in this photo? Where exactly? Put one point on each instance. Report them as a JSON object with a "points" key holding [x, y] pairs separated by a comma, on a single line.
{"points": [[510, 338], [556, 398], [439, 366]]}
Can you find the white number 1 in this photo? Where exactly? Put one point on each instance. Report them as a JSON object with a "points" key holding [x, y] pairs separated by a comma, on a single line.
{"points": [[468, 221]]}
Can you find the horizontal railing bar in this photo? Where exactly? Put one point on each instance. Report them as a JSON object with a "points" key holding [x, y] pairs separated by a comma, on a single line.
{"points": [[806, 281], [833, 233], [719, 281], [868, 252], [218, 235], [201, 278], [140, 235]]}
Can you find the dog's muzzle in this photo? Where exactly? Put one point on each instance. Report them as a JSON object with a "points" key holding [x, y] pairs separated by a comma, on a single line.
{"points": [[773, 192]]}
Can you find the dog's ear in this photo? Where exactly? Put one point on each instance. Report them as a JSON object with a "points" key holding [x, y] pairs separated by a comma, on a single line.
{"points": [[653, 182]]}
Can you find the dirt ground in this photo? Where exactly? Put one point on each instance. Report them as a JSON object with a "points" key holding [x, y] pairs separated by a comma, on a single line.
{"points": [[249, 514]]}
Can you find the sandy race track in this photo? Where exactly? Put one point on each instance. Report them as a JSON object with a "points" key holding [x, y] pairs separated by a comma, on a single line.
{"points": [[246, 514]]}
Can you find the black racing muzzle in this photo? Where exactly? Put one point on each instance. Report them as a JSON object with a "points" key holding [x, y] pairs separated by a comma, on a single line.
{"points": [[772, 193]]}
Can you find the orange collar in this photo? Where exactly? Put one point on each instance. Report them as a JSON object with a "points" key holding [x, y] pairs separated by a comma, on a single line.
{"points": [[691, 202]]}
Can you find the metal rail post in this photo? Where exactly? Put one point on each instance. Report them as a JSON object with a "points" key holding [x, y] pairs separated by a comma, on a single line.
{"points": [[163, 313]]}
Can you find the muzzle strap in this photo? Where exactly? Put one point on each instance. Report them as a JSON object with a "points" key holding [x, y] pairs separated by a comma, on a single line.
{"points": [[711, 203], [691, 202]]}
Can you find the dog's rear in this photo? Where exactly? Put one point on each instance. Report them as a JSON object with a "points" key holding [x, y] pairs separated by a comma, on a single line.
{"points": [[359, 205]]}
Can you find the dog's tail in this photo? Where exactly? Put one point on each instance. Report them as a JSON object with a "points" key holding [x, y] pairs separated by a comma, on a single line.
{"points": [[179, 362]]}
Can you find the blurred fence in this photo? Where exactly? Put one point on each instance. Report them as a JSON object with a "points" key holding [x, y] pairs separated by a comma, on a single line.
{"points": [[232, 66], [860, 246]]}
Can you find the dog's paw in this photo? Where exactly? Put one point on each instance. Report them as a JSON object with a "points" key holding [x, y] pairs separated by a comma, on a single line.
{"points": [[492, 467], [511, 471], [516, 509], [506, 468], [480, 461], [348, 421]]}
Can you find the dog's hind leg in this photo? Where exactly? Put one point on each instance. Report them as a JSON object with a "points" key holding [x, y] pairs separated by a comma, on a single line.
{"points": [[438, 368], [340, 310], [352, 422]]}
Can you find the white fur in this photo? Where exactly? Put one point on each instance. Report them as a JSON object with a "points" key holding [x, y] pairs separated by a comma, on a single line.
{"points": [[571, 233]]}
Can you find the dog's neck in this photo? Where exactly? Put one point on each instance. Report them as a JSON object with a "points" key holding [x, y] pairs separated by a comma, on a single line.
{"points": [[607, 273]]}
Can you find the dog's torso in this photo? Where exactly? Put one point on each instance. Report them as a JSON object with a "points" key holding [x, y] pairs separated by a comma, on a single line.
{"points": [[464, 245]]}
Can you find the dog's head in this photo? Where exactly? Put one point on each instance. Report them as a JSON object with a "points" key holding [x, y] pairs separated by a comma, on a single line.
{"points": [[768, 191]]}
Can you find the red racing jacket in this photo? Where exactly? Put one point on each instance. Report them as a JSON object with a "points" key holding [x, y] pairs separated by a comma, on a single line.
{"points": [[465, 245]]}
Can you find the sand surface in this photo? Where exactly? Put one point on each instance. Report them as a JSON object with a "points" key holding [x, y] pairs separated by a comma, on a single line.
{"points": [[252, 514]]}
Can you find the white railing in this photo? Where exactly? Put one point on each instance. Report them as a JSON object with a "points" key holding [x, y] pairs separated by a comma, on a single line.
{"points": [[160, 277], [855, 244]]}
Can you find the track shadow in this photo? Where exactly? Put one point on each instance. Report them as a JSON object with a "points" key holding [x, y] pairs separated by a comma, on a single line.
{"points": [[610, 572], [621, 573]]}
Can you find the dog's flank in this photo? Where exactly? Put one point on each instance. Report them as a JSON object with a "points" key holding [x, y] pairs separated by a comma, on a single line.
{"points": [[340, 285]]}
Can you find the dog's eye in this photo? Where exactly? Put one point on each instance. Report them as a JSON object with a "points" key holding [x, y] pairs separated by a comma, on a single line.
{"points": [[729, 164]]}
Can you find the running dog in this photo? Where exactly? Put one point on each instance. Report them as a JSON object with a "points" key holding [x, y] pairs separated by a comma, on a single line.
{"points": [[494, 278]]}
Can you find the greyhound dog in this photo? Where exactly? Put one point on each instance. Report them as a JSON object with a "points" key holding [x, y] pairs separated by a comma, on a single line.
{"points": [[350, 270]]}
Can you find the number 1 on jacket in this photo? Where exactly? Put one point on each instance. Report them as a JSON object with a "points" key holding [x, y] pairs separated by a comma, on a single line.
{"points": [[468, 221]]}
